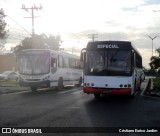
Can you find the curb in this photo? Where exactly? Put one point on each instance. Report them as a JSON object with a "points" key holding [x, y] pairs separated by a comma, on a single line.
{"points": [[3, 85], [12, 89], [145, 89], [9, 92]]}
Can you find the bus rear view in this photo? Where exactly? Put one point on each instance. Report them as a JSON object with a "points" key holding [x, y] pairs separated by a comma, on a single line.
{"points": [[111, 67]]}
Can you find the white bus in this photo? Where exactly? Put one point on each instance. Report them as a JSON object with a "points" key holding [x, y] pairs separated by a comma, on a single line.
{"points": [[49, 68], [111, 67]]}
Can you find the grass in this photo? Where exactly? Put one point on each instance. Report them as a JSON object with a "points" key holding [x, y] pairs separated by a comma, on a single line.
{"points": [[9, 82]]}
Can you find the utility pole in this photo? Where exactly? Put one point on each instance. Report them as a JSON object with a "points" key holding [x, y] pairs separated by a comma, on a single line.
{"points": [[34, 7], [93, 36], [152, 38]]}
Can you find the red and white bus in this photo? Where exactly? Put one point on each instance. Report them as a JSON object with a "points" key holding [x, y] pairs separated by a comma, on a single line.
{"points": [[111, 67]]}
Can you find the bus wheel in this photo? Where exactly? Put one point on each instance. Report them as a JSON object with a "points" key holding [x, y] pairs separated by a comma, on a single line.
{"points": [[33, 88], [60, 84], [79, 82], [96, 96], [139, 87]]}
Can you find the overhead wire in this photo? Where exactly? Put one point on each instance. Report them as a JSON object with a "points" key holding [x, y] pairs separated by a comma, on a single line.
{"points": [[19, 25]]}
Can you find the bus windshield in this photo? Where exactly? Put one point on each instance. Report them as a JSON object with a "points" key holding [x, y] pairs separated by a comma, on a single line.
{"points": [[108, 63], [35, 63]]}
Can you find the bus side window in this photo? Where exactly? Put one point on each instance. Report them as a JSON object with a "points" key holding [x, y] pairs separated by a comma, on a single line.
{"points": [[60, 62], [71, 63], [77, 64], [66, 63]]}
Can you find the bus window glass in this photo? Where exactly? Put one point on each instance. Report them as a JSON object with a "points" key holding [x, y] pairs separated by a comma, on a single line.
{"points": [[95, 61], [119, 60], [77, 64], [108, 62], [66, 63], [60, 61], [35, 63], [71, 63]]}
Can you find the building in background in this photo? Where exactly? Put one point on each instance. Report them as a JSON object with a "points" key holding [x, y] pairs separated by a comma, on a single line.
{"points": [[8, 62]]}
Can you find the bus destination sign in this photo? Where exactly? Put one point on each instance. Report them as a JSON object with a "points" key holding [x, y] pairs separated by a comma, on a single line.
{"points": [[100, 46]]}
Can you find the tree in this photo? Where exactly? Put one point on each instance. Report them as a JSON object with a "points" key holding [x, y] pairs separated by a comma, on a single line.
{"points": [[52, 41], [39, 42], [155, 60], [3, 31], [158, 50]]}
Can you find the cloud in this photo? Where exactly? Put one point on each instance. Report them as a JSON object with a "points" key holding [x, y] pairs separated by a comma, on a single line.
{"points": [[110, 19]]}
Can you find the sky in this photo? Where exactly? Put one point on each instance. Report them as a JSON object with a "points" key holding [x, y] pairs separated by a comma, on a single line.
{"points": [[76, 20]]}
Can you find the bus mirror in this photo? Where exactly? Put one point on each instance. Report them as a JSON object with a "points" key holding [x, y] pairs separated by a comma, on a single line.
{"points": [[83, 53], [53, 62]]}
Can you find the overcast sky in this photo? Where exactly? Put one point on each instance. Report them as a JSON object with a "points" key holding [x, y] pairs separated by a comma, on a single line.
{"points": [[74, 20]]}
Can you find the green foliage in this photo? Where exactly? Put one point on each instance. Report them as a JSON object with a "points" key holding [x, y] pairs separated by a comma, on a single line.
{"points": [[3, 24], [39, 42], [3, 31], [156, 83], [155, 62], [9, 82], [158, 51]]}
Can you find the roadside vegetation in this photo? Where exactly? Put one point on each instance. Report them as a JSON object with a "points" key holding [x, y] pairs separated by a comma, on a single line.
{"points": [[9, 82], [155, 60], [3, 31], [156, 83], [155, 72], [155, 66]]}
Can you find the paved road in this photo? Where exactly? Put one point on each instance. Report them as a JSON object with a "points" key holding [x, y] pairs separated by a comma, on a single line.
{"points": [[72, 108]]}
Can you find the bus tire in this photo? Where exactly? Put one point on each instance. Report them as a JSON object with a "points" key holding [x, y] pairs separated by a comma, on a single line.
{"points": [[60, 84], [79, 82], [96, 96], [139, 87], [33, 88]]}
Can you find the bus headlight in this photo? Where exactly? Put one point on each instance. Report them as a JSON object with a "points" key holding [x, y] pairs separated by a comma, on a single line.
{"points": [[46, 78], [86, 84]]}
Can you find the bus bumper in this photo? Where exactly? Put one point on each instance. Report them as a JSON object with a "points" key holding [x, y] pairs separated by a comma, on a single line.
{"points": [[35, 84], [113, 91]]}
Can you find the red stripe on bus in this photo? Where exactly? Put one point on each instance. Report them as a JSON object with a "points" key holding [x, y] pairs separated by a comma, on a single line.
{"points": [[119, 91], [123, 91]]}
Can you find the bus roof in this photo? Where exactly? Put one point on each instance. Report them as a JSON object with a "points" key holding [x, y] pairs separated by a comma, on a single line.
{"points": [[102, 45], [52, 51]]}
